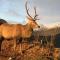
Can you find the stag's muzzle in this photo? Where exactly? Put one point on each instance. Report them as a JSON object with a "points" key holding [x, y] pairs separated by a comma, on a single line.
{"points": [[38, 26]]}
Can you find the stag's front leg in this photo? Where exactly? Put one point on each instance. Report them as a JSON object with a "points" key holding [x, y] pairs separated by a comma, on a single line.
{"points": [[20, 48], [20, 45]]}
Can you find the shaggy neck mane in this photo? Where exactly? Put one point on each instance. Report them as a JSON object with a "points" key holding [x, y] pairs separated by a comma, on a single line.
{"points": [[29, 27]]}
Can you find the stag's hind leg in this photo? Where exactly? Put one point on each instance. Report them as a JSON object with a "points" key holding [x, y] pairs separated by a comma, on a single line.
{"points": [[14, 44], [1, 40], [19, 43]]}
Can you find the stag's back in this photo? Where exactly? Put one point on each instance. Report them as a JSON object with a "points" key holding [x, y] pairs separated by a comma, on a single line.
{"points": [[14, 30], [9, 30]]}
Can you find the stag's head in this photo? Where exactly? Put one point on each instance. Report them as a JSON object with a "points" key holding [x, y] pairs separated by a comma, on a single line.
{"points": [[32, 20]]}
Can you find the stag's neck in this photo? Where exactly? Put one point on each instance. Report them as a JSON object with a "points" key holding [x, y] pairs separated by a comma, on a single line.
{"points": [[27, 31], [29, 27]]}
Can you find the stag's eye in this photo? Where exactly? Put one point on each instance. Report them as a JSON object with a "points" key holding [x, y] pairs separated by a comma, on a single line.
{"points": [[35, 22]]}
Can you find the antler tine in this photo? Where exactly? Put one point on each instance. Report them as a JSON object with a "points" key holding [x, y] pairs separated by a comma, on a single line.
{"points": [[27, 9], [35, 17]]}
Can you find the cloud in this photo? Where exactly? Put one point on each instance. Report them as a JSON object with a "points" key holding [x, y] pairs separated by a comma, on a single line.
{"points": [[13, 13]]}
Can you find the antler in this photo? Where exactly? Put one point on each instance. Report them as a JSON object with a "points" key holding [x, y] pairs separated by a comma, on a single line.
{"points": [[35, 17], [27, 10]]}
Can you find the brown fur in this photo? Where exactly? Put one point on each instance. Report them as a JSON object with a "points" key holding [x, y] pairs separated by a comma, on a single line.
{"points": [[15, 30]]}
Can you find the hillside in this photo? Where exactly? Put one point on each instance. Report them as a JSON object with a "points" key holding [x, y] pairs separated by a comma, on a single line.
{"points": [[32, 51]]}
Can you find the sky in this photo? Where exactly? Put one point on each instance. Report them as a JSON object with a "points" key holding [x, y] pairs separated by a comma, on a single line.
{"points": [[14, 10]]}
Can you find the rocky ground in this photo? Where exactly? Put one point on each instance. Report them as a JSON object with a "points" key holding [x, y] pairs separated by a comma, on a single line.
{"points": [[29, 52]]}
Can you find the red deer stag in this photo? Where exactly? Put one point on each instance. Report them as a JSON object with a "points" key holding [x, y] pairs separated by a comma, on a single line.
{"points": [[19, 31]]}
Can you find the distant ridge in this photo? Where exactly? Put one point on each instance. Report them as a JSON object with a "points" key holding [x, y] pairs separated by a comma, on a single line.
{"points": [[57, 24], [50, 29]]}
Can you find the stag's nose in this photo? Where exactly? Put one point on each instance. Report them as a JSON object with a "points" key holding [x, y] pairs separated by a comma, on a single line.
{"points": [[38, 26]]}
